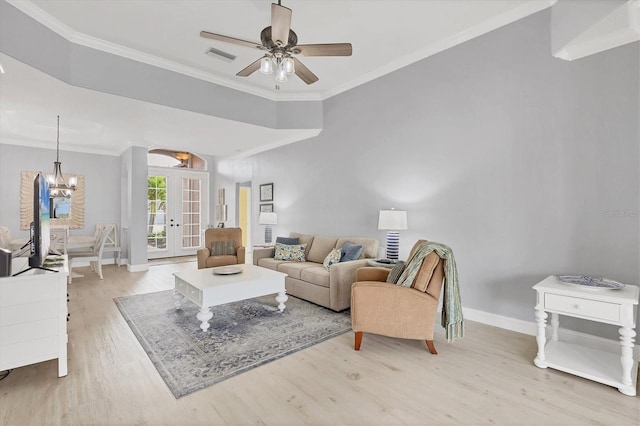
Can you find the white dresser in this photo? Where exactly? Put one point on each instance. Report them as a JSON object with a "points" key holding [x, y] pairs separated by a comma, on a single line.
{"points": [[33, 316], [616, 367]]}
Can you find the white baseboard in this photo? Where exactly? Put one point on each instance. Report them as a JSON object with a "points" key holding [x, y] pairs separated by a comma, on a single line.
{"points": [[530, 328], [138, 268], [80, 264], [123, 261]]}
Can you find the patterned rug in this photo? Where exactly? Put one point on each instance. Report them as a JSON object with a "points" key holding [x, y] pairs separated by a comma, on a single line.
{"points": [[243, 335]]}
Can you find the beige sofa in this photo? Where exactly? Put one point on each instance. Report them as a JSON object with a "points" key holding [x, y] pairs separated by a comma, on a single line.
{"points": [[310, 280]]}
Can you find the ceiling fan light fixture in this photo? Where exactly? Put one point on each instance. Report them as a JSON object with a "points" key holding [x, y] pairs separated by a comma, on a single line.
{"points": [[288, 65], [266, 65], [281, 75], [278, 42], [182, 156]]}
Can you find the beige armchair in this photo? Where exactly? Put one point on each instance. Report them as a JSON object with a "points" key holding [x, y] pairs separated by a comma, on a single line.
{"points": [[390, 310], [235, 255]]}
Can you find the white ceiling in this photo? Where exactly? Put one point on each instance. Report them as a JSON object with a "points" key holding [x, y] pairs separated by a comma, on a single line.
{"points": [[386, 35]]}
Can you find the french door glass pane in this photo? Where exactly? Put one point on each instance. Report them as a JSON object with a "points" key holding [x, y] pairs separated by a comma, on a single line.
{"points": [[191, 208], [156, 212]]}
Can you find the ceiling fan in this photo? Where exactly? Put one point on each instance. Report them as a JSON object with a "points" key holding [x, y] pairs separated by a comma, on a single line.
{"points": [[279, 43]]}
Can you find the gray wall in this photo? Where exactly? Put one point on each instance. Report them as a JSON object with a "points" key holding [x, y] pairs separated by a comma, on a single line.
{"points": [[513, 158], [102, 184], [30, 42]]}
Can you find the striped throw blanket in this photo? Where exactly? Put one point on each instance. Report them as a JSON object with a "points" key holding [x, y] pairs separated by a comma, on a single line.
{"points": [[452, 320]]}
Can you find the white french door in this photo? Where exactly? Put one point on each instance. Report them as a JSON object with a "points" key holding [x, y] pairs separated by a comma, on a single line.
{"points": [[177, 211]]}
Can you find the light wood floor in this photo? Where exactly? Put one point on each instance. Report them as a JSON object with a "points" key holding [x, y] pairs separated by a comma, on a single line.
{"points": [[486, 378]]}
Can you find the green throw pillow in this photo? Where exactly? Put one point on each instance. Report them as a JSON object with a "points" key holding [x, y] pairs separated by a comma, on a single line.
{"points": [[293, 252], [332, 257], [223, 248]]}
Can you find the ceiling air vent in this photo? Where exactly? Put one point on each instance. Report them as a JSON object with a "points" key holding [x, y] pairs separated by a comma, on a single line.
{"points": [[227, 57]]}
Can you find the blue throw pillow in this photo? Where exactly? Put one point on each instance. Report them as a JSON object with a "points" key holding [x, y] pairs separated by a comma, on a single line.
{"points": [[288, 241], [350, 251]]}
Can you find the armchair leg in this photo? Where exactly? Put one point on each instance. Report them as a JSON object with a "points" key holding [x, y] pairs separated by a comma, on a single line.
{"points": [[358, 340], [431, 347]]}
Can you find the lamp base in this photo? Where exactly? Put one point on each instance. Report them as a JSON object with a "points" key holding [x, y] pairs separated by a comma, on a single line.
{"points": [[393, 243], [268, 237]]}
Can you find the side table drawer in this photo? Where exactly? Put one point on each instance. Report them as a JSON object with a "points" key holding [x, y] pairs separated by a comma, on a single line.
{"points": [[583, 307]]}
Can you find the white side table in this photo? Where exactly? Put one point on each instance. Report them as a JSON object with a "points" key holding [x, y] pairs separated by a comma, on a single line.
{"points": [[374, 262], [617, 307]]}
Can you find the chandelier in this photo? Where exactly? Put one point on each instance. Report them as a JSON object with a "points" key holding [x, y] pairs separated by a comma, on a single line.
{"points": [[58, 187]]}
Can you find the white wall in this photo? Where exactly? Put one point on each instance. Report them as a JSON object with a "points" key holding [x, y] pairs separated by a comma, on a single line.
{"points": [[513, 158]]}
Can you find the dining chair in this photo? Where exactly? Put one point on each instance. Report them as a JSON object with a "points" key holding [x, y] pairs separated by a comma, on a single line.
{"points": [[111, 244], [93, 256]]}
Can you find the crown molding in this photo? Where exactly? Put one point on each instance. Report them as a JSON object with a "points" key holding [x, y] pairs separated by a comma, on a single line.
{"points": [[485, 27], [79, 38], [577, 49], [76, 37]]}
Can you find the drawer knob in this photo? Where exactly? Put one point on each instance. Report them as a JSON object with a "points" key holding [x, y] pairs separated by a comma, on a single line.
{"points": [[577, 306]]}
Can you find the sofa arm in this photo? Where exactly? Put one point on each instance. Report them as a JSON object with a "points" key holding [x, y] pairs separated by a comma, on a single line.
{"points": [[372, 273], [262, 252], [240, 254], [203, 254], [341, 276]]}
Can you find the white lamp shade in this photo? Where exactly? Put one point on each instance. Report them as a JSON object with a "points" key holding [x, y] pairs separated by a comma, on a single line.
{"points": [[392, 220], [268, 218]]}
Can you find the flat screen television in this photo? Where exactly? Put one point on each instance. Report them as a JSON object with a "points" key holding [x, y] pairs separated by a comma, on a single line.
{"points": [[40, 233]]}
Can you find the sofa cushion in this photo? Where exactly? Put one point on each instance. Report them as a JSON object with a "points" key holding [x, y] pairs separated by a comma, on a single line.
{"points": [[213, 261], [303, 239], [333, 257], [290, 252], [294, 269], [320, 248], [350, 251], [288, 240], [270, 262], [316, 275], [423, 276], [223, 248], [369, 246]]}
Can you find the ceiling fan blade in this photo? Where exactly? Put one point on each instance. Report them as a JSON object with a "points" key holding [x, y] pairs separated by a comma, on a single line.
{"points": [[280, 24], [227, 39], [304, 73], [327, 49], [255, 66]]}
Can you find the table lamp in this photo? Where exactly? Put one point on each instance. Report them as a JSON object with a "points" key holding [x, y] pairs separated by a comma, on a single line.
{"points": [[392, 221], [268, 219]]}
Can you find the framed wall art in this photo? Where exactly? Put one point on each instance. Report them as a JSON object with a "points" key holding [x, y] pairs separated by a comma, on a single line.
{"points": [[266, 192], [266, 207], [64, 211]]}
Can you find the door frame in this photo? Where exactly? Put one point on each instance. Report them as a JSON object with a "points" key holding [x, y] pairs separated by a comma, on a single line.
{"points": [[174, 194]]}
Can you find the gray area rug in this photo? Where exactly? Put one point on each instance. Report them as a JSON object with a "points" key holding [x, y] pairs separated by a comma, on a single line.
{"points": [[243, 335]]}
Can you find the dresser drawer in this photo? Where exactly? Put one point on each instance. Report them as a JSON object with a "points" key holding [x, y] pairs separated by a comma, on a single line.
{"points": [[583, 307]]}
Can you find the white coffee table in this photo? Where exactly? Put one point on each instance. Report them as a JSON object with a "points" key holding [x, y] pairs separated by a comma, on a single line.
{"points": [[206, 289]]}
